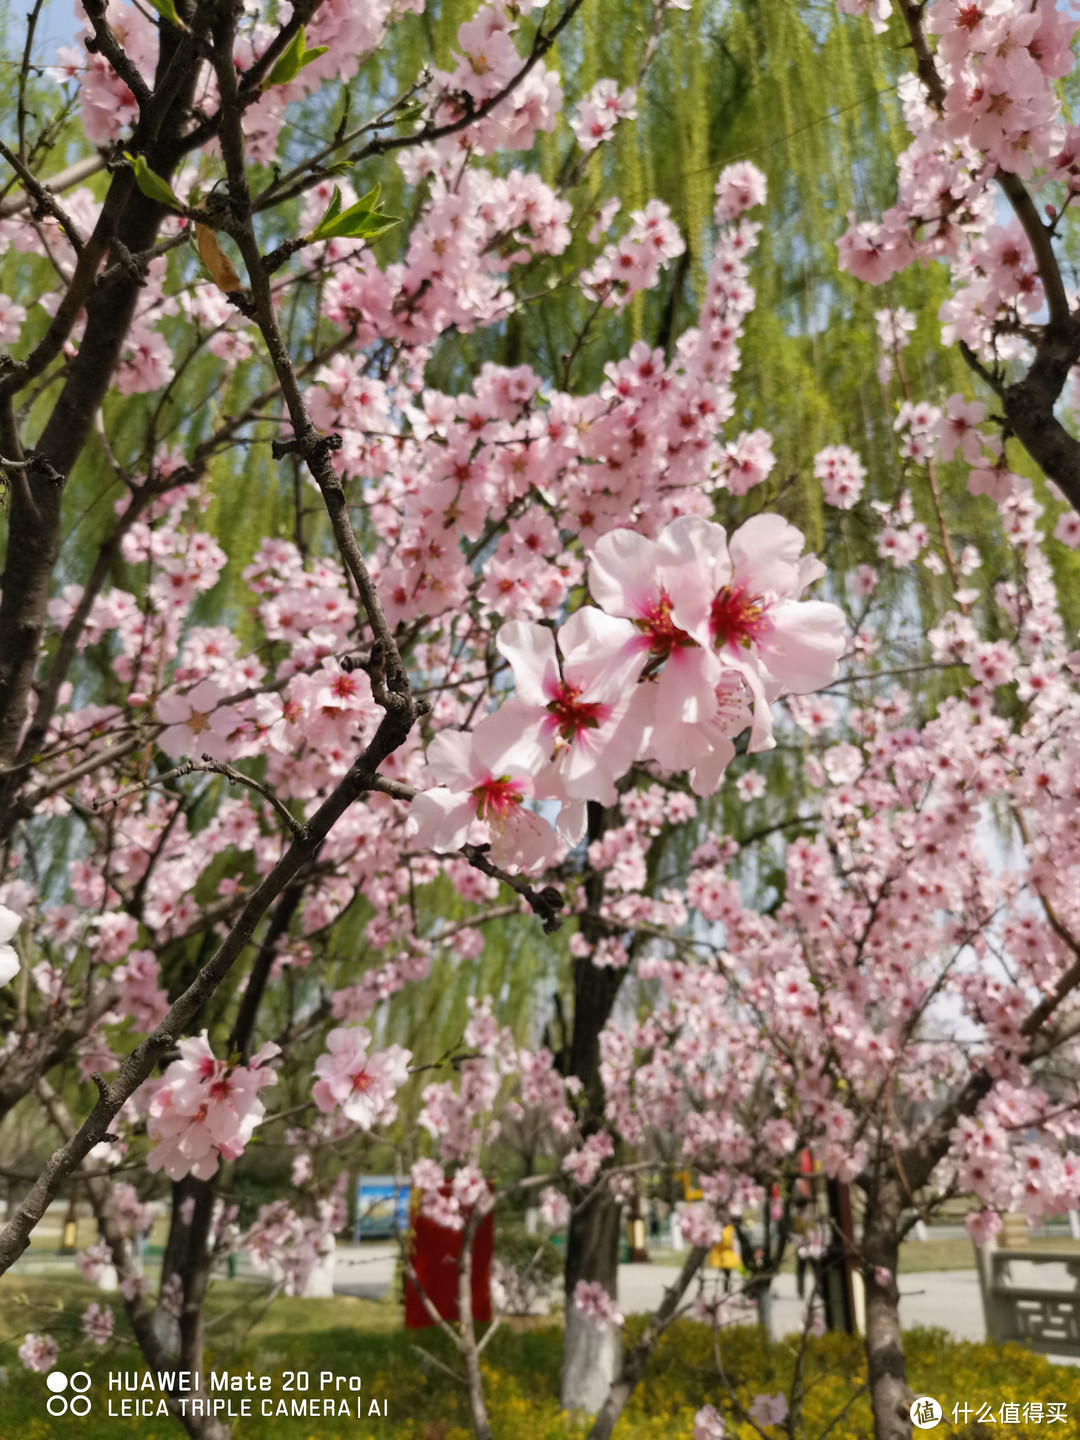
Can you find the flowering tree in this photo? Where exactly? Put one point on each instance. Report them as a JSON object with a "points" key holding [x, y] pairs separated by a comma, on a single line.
{"points": [[508, 644]]}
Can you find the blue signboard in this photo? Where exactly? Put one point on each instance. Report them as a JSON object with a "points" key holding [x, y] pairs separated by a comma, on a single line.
{"points": [[382, 1207]]}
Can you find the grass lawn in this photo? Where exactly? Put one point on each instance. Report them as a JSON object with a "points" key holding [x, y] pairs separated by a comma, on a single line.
{"points": [[294, 1341]]}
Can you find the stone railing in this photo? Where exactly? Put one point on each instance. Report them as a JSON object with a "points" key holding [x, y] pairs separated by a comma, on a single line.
{"points": [[1032, 1297]]}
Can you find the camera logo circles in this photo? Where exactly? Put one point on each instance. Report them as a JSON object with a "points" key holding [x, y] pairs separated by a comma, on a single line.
{"points": [[58, 1403]]}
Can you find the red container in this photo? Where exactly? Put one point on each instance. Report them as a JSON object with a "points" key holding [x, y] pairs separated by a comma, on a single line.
{"points": [[435, 1251]]}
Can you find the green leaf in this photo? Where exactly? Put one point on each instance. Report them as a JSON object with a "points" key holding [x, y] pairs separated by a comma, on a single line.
{"points": [[167, 9], [151, 184], [332, 210], [293, 59], [362, 221]]}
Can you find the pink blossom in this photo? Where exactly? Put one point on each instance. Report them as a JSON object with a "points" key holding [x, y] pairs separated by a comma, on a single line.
{"points": [[205, 1109], [768, 1409], [865, 580], [982, 1225], [600, 111], [197, 723], [750, 786], [625, 581], [363, 1086], [593, 1302], [739, 188], [584, 1164], [740, 600], [708, 1424], [9, 960], [92, 1261], [578, 715], [38, 1352], [841, 474], [11, 320], [98, 1324], [554, 1208], [485, 779], [959, 429], [428, 1175], [747, 461]]}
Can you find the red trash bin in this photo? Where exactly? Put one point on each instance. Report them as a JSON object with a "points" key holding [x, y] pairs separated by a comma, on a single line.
{"points": [[435, 1251]]}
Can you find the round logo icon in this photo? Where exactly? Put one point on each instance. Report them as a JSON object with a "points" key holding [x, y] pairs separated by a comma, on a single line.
{"points": [[56, 1382], [925, 1412]]}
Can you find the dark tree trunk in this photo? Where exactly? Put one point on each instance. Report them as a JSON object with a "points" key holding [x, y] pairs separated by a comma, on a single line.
{"points": [[34, 523], [187, 1258], [890, 1393], [591, 1353]]}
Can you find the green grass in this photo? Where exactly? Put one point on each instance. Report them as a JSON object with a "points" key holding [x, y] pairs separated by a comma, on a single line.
{"points": [[522, 1373], [353, 1337]]}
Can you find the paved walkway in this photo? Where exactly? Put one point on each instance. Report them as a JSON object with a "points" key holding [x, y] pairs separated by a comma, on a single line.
{"points": [[949, 1298]]}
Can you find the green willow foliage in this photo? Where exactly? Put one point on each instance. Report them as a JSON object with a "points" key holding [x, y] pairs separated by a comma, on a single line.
{"points": [[807, 95]]}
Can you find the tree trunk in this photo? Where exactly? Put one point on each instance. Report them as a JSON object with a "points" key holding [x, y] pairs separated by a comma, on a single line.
{"points": [[763, 1299], [187, 1257], [591, 1352], [633, 1367], [467, 1330], [890, 1394], [35, 519]]}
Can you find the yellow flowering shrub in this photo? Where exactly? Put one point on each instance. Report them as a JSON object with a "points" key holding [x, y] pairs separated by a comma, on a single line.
{"points": [[521, 1371]]}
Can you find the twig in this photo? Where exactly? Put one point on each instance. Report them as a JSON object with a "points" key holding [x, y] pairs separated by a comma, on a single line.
{"points": [[45, 201], [545, 903], [209, 767], [62, 180]]}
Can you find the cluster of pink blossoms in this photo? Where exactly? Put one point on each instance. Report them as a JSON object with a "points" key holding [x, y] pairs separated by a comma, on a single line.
{"points": [[38, 1352], [205, 1110], [362, 1086], [600, 111], [993, 108], [289, 1246], [689, 632]]}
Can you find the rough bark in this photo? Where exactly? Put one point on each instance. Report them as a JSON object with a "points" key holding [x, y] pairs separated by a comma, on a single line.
{"points": [[1029, 403], [127, 218], [155, 1344], [763, 1298], [591, 1352], [633, 1367], [890, 1394], [188, 1258], [1029, 409]]}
